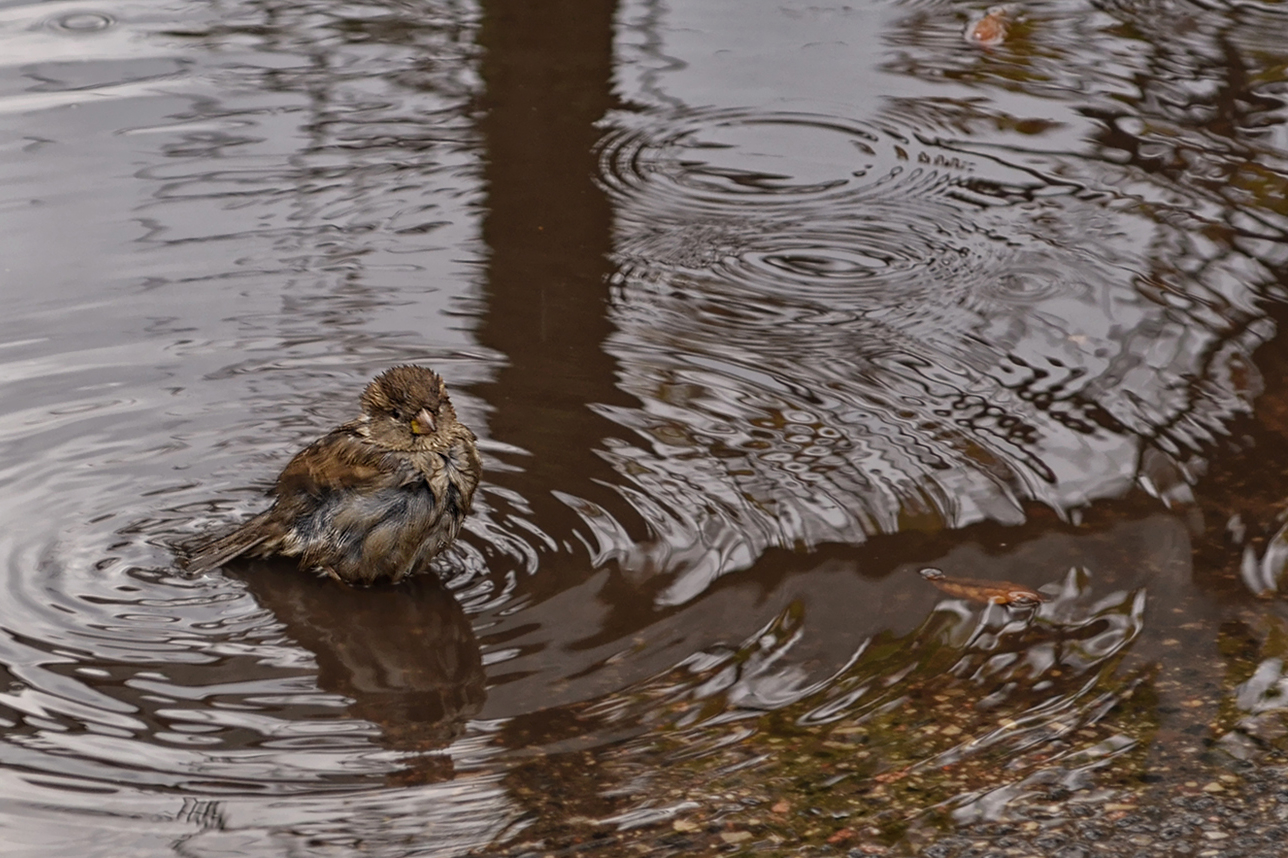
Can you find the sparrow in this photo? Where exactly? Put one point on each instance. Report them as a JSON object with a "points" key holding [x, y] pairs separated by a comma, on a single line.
{"points": [[373, 499]]}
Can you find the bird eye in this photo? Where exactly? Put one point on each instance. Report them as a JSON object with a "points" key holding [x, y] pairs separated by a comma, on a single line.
{"points": [[398, 414]]}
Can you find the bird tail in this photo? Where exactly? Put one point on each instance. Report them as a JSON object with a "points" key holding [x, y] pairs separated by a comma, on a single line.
{"points": [[219, 551]]}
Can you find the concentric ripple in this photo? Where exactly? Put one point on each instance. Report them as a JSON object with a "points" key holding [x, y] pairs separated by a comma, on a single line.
{"points": [[849, 214], [825, 353], [120, 669], [711, 161], [81, 22]]}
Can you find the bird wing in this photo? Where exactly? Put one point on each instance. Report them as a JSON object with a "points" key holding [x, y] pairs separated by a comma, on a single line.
{"points": [[338, 462], [341, 460], [353, 507]]}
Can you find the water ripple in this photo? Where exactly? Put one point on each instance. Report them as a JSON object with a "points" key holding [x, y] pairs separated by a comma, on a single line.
{"points": [[81, 22], [119, 669], [714, 159], [822, 356]]}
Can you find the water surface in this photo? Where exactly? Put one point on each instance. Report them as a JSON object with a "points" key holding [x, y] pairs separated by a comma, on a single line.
{"points": [[757, 309]]}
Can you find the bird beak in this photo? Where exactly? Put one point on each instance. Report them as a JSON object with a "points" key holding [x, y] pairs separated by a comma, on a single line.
{"points": [[423, 423]]}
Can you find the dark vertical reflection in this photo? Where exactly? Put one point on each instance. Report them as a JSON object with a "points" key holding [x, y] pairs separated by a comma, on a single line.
{"points": [[547, 70]]}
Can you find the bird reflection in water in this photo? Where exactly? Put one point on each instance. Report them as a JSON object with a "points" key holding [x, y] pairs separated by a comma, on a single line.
{"points": [[405, 655]]}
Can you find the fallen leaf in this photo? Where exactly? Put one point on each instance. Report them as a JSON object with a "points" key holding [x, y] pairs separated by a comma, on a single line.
{"points": [[990, 30], [984, 590]]}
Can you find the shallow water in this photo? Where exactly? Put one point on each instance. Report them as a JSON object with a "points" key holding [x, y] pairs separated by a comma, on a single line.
{"points": [[756, 308]]}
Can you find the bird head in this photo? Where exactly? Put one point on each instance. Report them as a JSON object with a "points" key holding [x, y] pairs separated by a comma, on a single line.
{"points": [[406, 408]]}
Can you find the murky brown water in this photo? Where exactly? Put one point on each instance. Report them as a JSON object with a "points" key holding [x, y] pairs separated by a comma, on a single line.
{"points": [[757, 309]]}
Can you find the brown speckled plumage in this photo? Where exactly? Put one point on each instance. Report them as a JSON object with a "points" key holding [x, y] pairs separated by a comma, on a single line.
{"points": [[375, 498]]}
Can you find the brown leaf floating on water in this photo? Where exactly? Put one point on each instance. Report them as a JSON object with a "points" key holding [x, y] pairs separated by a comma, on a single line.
{"points": [[984, 590], [990, 31]]}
